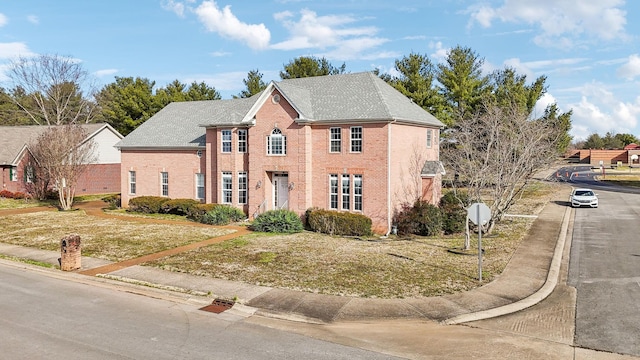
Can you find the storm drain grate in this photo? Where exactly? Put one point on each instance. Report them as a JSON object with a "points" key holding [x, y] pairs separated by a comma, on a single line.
{"points": [[218, 306]]}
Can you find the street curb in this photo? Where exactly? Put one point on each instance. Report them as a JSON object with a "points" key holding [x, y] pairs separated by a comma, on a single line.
{"points": [[546, 289]]}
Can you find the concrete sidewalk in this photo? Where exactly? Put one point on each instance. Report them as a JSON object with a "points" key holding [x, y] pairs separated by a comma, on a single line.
{"points": [[530, 276]]}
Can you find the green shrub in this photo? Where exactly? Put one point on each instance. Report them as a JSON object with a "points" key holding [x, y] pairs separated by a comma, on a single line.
{"points": [[114, 201], [198, 211], [222, 215], [178, 206], [421, 219], [147, 204], [454, 213], [281, 221], [338, 223]]}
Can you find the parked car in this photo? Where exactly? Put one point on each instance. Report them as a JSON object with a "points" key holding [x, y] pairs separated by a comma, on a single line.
{"points": [[583, 197]]}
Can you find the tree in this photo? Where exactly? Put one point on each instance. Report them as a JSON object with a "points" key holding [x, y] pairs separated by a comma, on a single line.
{"points": [[177, 91], [463, 85], [508, 87], [53, 90], [495, 153], [308, 66], [10, 113], [594, 141], [201, 91], [61, 155], [254, 84], [627, 139], [127, 103], [416, 82]]}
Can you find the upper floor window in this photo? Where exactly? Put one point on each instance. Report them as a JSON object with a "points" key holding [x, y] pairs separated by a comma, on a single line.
{"points": [[276, 143], [429, 138], [226, 141], [164, 183], [335, 145], [356, 139], [242, 140]]}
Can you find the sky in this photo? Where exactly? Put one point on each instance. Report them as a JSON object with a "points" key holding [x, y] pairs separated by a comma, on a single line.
{"points": [[589, 50]]}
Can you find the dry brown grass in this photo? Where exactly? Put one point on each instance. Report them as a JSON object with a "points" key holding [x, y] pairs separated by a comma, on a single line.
{"points": [[110, 239], [373, 267], [384, 268]]}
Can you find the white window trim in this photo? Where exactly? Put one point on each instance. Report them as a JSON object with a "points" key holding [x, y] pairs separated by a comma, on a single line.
{"points": [[245, 142], [336, 178], [200, 176], [276, 133], [352, 139], [356, 196], [132, 182], [243, 188], [429, 138], [337, 140], [162, 183], [228, 177], [226, 141]]}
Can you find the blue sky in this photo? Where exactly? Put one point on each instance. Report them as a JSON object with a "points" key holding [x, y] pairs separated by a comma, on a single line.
{"points": [[588, 49]]}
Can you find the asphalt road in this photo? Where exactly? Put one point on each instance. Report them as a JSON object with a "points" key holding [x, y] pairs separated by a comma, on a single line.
{"points": [[47, 317], [605, 270]]}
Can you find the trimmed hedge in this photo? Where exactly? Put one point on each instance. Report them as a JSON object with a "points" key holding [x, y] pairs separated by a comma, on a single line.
{"points": [[13, 195], [280, 221], [198, 211], [178, 206], [147, 204], [338, 223]]}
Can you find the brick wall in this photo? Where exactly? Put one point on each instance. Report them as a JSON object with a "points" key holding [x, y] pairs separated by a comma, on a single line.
{"points": [[99, 179]]}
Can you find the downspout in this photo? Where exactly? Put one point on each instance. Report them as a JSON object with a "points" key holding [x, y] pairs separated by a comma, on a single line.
{"points": [[389, 179]]}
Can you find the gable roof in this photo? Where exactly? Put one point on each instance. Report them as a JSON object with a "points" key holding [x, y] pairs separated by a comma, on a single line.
{"points": [[13, 139], [344, 98]]}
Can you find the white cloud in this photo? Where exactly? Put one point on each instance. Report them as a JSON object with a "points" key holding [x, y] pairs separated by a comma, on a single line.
{"points": [[174, 6], [440, 53], [105, 72], [630, 69], [220, 53], [336, 34], [3, 20], [14, 49], [563, 23], [226, 24], [600, 111], [33, 19]]}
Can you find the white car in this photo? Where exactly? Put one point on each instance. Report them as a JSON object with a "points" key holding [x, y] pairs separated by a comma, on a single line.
{"points": [[583, 197]]}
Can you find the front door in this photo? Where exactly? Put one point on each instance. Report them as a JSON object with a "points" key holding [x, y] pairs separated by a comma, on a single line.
{"points": [[280, 191]]}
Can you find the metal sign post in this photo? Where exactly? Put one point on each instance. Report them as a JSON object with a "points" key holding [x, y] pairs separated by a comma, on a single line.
{"points": [[479, 214]]}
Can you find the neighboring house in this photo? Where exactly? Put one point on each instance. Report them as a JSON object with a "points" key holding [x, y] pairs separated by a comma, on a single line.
{"points": [[629, 156], [344, 142], [101, 177]]}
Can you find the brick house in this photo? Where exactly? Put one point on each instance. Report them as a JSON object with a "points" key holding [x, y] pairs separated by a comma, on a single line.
{"points": [[101, 177], [346, 142]]}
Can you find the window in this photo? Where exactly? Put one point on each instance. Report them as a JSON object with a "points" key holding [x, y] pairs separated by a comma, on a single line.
{"points": [[227, 188], [132, 182], [333, 191], [345, 192], [357, 192], [336, 140], [226, 141], [29, 175], [429, 140], [242, 140], [242, 187], [200, 186], [356, 139], [276, 143], [13, 173], [164, 181]]}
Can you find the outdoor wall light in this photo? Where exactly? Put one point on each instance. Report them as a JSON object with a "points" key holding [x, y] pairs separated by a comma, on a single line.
{"points": [[291, 186], [259, 184]]}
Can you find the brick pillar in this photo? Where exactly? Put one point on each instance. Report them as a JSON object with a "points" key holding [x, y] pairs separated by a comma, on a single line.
{"points": [[70, 253]]}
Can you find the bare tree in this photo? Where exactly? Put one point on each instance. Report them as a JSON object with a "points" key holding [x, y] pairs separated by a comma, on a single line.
{"points": [[62, 154], [495, 153], [53, 86], [410, 177]]}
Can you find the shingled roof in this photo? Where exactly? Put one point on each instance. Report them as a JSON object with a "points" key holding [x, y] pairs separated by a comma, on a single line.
{"points": [[14, 138], [357, 97]]}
